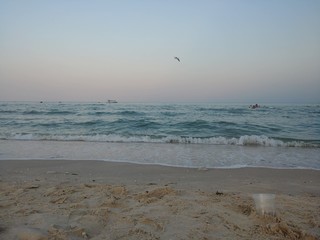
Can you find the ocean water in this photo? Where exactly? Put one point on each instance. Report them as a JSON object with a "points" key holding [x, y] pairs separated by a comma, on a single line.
{"points": [[183, 135]]}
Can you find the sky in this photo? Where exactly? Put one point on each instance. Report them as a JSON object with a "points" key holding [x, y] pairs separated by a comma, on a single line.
{"points": [[230, 50]]}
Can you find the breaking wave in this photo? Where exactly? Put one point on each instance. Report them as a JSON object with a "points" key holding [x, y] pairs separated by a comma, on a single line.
{"points": [[253, 140]]}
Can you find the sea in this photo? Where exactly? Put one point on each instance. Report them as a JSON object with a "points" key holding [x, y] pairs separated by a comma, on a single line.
{"points": [[193, 135]]}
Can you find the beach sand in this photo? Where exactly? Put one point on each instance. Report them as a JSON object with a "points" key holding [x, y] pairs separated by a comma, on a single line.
{"points": [[104, 200]]}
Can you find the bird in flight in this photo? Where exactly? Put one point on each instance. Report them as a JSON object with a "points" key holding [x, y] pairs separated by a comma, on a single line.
{"points": [[177, 58]]}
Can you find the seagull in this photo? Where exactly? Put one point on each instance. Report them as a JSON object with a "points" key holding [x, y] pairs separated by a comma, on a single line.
{"points": [[177, 58]]}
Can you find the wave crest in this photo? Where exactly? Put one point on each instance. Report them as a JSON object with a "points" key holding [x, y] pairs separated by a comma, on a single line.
{"points": [[246, 140]]}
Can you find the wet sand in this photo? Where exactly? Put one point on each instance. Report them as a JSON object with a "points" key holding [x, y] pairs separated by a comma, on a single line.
{"points": [[104, 200]]}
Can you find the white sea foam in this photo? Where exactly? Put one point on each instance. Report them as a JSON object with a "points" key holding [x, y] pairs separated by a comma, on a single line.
{"points": [[245, 140]]}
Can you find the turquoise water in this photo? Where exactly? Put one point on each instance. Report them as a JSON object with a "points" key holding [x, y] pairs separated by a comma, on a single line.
{"points": [[192, 135]]}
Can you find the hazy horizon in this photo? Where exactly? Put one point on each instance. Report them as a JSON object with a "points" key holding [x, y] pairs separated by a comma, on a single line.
{"points": [[91, 51]]}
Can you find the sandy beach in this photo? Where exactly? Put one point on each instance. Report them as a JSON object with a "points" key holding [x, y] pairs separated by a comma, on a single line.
{"points": [[105, 200]]}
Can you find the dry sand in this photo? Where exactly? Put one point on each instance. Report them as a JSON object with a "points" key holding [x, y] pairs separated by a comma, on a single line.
{"points": [[103, 200]]}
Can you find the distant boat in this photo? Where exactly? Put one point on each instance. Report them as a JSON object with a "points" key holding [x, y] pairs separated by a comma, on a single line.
{"points": [[112, 101], [254, 106]]}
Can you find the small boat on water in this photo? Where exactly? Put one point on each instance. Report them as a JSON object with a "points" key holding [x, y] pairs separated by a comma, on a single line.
{"points": [[254, 106], [112, 101]]}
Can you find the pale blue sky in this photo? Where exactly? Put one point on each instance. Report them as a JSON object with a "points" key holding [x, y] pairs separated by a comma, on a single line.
{"points": [[230, 51]]}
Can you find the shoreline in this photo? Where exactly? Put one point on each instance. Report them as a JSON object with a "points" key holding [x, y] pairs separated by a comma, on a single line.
{"points": [[277, 179], [172, 155], [86, 199], [163, 165]]}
